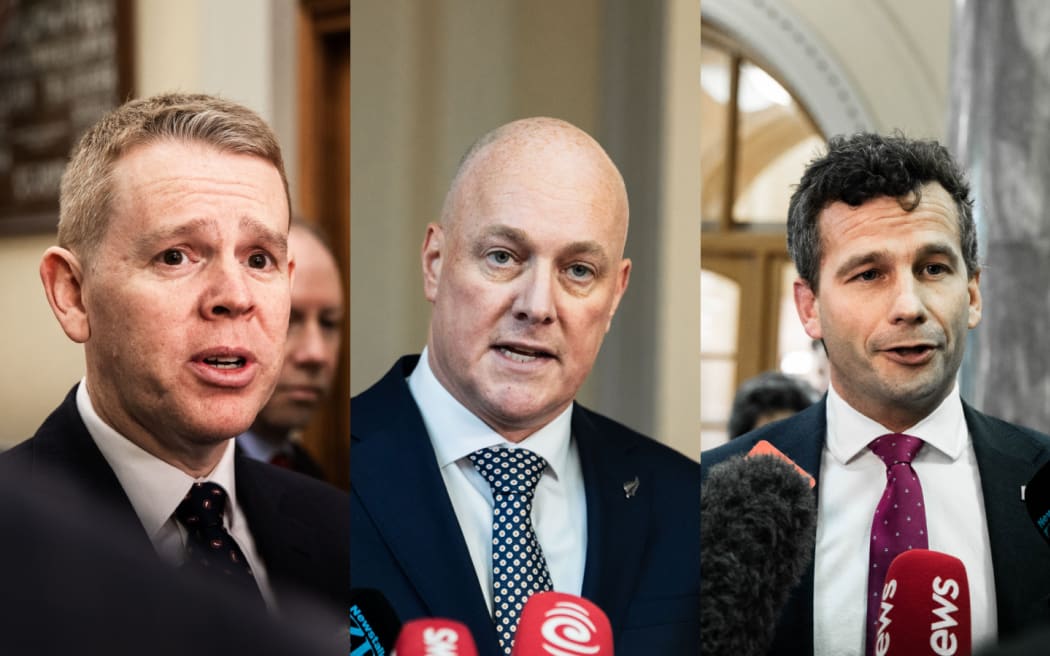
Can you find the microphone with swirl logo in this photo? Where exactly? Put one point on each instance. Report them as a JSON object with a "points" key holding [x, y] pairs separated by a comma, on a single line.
{"points": [[561, 624]]}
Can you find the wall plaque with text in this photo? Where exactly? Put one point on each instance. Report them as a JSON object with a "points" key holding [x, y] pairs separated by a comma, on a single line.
{"points": [[63, 64]]}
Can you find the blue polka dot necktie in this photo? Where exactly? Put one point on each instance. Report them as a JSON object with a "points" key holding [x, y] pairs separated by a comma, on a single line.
{"points": [[899, 523], [210, 546], [518, 566]]}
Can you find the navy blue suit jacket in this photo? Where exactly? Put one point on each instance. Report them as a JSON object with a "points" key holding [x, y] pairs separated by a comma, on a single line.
{"points": [[642, 563], [300, 526], [1007, 458]]}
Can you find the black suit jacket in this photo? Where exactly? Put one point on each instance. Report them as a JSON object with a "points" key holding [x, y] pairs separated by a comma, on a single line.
{"points": [[1007, 458], [642, 562], [300, 526]]}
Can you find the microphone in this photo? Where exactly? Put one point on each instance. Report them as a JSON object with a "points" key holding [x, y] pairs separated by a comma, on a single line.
{"points": [[925, 607], [764, 448], [373, 623], [758, 526], [435, 637], [559, 624], [1037, 500]]}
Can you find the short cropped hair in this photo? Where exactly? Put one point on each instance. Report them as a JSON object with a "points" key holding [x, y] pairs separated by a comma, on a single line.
{"points": [[866, 166], [86, 195], [769, 391]]}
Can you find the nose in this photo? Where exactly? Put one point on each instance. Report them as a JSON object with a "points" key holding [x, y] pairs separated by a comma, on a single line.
{"points": [[535, 299], [908, 305], [228, 294], [307, 345]]}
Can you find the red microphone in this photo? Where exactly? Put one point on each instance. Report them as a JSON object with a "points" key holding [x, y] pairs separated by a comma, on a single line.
{"points": [[925, 607], [435, 637], [562, 624]]}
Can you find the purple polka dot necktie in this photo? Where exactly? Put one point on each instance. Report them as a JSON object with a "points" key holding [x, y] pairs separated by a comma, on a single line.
{"points": [[210, 546], [518, 567], [900, 519]]}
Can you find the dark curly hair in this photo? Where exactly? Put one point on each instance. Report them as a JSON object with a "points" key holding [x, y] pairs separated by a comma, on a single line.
{"points": [[767, 392], [863, 166]]}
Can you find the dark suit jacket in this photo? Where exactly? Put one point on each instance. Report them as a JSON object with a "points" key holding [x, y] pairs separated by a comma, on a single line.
{"points": [[1007, 458], [300, 526], [642, 562], [75, 582]]}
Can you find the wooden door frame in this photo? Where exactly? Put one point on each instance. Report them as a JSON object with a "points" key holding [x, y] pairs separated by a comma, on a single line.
{"points": [[318, 22]]}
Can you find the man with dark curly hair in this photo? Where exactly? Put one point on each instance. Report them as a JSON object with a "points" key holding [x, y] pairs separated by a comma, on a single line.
{"points": [[882, 233]]}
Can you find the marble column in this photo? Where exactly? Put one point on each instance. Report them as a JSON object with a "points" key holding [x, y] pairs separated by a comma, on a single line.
{"points": [[999, 128]]}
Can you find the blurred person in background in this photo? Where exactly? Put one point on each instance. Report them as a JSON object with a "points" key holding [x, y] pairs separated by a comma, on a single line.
{"points": [[768, 397], [311, 356]]}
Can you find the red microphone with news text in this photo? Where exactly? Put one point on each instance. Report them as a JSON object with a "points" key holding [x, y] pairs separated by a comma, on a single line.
{"points": [[925, 609], [434, 636]]}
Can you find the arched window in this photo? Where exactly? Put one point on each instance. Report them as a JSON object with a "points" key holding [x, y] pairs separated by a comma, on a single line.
{"points": [[756, 138]]}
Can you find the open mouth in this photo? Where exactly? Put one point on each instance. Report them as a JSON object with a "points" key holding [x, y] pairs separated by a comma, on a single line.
{"points": [[232, 362], [912, 355], [521, 354], [912, 351]]}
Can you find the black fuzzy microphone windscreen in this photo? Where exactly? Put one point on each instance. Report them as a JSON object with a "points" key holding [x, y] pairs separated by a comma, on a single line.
{"points": [[758, 527]]}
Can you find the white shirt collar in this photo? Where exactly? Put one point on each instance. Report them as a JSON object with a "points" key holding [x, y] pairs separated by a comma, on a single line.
{"points": [[850, 432], [456, 432], [154, 487]]}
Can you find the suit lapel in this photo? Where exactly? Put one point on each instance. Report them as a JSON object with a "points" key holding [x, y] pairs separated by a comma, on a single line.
{"points": [[402, 491], [616, 524], [801, 439], [1008, 458], [62, 448]]}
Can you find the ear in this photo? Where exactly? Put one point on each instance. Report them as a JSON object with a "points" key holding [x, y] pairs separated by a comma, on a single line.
{"points": [[62, 276], [433, 250], [808, 306], [623, 276], [974, 289]]}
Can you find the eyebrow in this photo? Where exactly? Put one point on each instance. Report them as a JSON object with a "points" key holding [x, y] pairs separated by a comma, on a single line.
{"points": [[145, 241], [940, 248], [260, 232], [507, 232], [271, 239]]}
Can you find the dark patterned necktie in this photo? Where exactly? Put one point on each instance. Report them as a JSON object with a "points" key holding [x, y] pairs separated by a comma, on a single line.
{"points": [[210, 546], [518, 566], [899, 523]]}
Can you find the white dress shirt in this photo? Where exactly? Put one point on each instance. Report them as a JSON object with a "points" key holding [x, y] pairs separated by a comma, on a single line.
{"points": [[559, 510], [852, 480], [155, 489]]}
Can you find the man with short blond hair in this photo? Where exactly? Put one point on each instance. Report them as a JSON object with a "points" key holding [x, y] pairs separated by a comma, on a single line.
{"points": [[172, 270]]}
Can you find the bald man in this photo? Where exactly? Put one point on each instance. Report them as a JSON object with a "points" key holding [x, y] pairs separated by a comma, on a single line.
{"points": [[476, 450], [311, 356]]}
